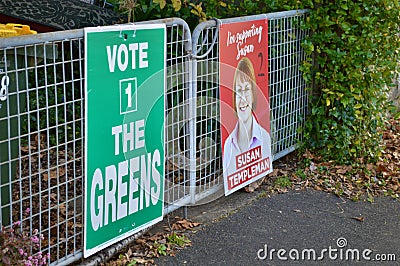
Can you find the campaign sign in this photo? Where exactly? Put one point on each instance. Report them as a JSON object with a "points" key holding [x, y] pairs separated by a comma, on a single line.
{"points": [[244, 106], [124, 132]]}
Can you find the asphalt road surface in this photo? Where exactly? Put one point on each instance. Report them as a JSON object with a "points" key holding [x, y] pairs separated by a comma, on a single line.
{"points": [[297, 228]]}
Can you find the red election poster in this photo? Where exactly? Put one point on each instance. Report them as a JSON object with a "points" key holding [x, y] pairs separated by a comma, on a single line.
{"points": [[244, 103]]}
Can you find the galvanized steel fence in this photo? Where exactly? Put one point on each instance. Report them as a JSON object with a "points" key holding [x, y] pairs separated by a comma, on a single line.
{"points": [[42, 122], [41, 140]]}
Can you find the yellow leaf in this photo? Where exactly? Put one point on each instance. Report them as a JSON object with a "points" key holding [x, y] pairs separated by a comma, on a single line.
{"points": [[328, 91], [194, 11], [162, 3], [177, 4], [358, 106], [339, 94], [198, 7], [223, 4], [198, 11], [328, 102]]}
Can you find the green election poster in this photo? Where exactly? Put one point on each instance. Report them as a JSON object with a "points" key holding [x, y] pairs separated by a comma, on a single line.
{"points": [[124, 132]]}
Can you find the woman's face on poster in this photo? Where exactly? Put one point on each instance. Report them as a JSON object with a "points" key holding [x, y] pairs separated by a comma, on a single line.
{"points": [[244, 100]]}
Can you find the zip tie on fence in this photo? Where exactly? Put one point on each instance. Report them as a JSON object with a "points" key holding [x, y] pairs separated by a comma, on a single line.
{"points": [[120, 33], [195, 56], [134, 30], [125, 36]]}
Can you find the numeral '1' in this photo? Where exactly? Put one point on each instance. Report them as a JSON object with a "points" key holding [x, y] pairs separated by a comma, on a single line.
{"points": [[128, 91]]}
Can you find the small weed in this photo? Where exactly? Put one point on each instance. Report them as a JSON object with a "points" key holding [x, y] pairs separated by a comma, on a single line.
{"points": [[160, 248], [181, 241], [133, 262], [283, 181], [323, 169], [339, 192], [357, 196], [382, 183], [300, 173], [263, 194], [370, 198]]}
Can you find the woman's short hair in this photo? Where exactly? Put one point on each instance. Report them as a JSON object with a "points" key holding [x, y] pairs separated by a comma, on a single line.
{"points": [[245, 72]]}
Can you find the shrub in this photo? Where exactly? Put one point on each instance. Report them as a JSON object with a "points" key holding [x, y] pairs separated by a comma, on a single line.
{"points": [[16, 247], [354, 50]]}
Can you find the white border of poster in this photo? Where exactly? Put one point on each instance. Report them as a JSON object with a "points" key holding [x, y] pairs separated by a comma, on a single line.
{"points": [[119, 30], [244, 103]]}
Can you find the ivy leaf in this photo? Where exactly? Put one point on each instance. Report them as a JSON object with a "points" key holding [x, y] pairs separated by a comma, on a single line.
{"points": [[345, 26]]}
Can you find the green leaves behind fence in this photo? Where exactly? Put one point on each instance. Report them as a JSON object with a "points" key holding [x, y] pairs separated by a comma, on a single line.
{"points": [[354, 48]]}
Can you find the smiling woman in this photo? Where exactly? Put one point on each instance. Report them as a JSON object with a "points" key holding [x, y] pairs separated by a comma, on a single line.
{"points": [[248, 135], [244, 99]]}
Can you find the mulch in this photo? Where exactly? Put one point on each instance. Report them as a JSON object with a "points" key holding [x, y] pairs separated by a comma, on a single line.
{"points": [[361, 181]]}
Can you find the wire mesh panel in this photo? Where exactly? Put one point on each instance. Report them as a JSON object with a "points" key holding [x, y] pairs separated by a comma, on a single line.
{"points": [[288, 97], [41, 157], [177, 142], [41, 134], [208, 175]]}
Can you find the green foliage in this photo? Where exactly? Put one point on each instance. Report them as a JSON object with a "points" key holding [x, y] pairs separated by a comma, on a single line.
{"points": [[300, 173], [354, 54], [134, 262], [161, 248], [175, 239], [283, 181], [263, 194], [194, 12], [142, 10], [233, 8]]}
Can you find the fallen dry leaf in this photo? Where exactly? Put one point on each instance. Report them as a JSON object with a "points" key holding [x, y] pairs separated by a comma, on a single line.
{"points": [[144, 261], [184, 224], [360, 219]]}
